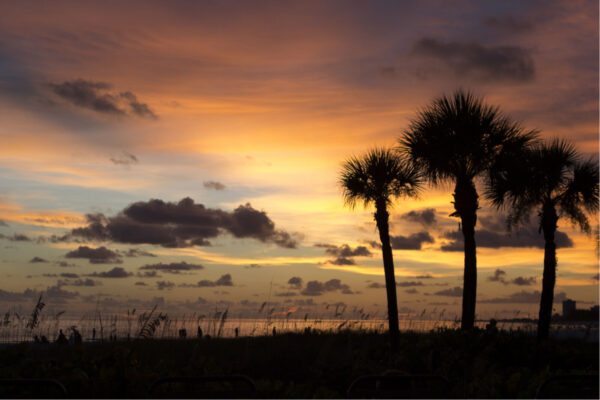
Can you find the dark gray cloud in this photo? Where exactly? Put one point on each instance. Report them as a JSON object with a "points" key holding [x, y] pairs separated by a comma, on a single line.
{"points": [[295, 282], [37, 259], [345, 250], [409, 284], [136, 107], [498, 276], [87, 94], [374, 244], [494, 234], [214, 185], [508, 24], [140, 283], [596, 277], [316, 288], [336, 284], [20, 82], [148, 274], [136, 253], [425, 217], [172, 268], [101, 255], [524, 297], [69, 275], [522, 281], [97, 96], [472, 59], [52, 238], [64, 264], [224, 280], [454, 292], [286, 294], [79, 282], [16, 237], [56, 293], [424, 276], [2, 223], [116, 272], [7, 296], [162, 285], [342, 261], [344, 254], [412, 242], [376, 285], [125, 158], [182, 224], [411, 291]]}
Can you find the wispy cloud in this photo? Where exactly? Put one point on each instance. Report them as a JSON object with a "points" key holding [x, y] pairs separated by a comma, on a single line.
{"points": [[99, 97], [478, 61]]}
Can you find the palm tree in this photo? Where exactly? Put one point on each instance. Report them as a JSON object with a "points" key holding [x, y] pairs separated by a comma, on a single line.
{"points": [[375, 179], [455, 140], [553, 179]]}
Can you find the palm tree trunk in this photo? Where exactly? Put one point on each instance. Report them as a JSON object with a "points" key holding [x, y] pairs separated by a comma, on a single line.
{"points": [[466, 205], [549, 220], [382, 218]]}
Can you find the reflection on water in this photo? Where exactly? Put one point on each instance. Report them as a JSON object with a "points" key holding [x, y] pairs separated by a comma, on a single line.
{"points": [[123, 326]]}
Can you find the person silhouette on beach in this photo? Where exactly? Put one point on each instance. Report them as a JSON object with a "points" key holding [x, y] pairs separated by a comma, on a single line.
{"points": [[75, 337], [61, 339]]}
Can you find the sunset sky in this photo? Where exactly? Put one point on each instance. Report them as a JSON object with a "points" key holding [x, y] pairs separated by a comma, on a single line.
{"points": [[187, 154]]}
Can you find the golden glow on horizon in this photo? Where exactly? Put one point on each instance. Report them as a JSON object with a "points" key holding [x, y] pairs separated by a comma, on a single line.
{"points": [[51, 219], [215, 258]]}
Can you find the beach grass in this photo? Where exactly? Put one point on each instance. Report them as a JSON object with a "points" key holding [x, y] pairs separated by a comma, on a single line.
{"points": [[478, 364]]}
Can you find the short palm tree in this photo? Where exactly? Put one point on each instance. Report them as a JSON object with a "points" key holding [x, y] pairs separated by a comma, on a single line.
{"points": [[552, 179], [455, 140], [375, 179]]}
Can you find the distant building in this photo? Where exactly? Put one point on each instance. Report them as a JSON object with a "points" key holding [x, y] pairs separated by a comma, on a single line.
{"points": [[569, 307], [571, 313]]}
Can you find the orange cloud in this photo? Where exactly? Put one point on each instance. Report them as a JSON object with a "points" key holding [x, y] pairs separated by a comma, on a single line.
{"points": [[53, 219]]}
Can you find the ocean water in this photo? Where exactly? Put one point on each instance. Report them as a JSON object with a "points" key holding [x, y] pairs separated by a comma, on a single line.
{"points": [[124, 326]]}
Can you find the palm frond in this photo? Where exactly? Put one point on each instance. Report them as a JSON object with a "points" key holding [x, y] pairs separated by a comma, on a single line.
{"points": [[581, 193], [547, 173], [460, 136], [378, 176]]}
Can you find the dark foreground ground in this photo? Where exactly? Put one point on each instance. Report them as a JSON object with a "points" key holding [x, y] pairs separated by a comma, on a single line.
{"points": [[481, 364]]}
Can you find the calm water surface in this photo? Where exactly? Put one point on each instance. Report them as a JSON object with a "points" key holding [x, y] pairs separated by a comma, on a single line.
{"points": [[123, 326]]}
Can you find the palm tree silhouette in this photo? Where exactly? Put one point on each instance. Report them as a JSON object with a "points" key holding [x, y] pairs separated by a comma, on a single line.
{"points": [[553, 179], [455, 140], [375, 179]]}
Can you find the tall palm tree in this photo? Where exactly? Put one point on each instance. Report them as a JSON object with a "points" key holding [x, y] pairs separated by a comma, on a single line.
{"points": [[375, 179], [455, 140], [552, 179]]}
